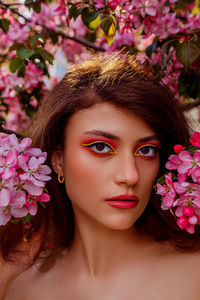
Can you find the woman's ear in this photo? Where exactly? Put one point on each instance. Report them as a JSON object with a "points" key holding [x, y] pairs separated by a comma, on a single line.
{"points": [[57, 162]]}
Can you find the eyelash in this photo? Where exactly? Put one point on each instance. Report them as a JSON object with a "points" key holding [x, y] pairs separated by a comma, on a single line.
{"points": [[94, 144], [154, 148], [112, 150]]}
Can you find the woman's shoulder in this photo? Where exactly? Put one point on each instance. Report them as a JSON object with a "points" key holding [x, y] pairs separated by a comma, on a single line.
{"points": [[34, 282], [22, 288], [164, 267]]}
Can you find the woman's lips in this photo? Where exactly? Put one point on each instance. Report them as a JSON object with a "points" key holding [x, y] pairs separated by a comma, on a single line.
{"points": [[123, 201]]}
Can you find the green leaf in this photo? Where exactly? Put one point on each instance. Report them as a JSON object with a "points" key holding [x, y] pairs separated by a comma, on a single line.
{"points": [[14, 64], [21, 71], [88, 16], [188, 84], [15, 46], [90, 36], [161, 180], [187, 53], [74, 12], [106, 24], [24, 53], [166, 47], [27, 218], [45, 54], [34, 39], [4, 25], [192, 149], [54, 37], [93, 25], [37, 7]]}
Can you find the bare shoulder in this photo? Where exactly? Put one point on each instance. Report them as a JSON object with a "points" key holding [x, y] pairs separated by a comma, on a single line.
{"points": [[180, 271], [25, 286], [34, 283]]}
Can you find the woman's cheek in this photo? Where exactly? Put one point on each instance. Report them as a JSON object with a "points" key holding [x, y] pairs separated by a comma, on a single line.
{"points": [[80, 172]]}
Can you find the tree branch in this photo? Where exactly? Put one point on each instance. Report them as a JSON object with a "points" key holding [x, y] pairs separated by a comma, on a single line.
{"points": [[8, 5], [8, 131], [80, 41], [65, 36]]}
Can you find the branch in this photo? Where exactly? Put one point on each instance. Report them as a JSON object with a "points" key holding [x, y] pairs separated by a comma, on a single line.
{"points": [[80, 41], [8, 131], [3, 58], [8, 5]]}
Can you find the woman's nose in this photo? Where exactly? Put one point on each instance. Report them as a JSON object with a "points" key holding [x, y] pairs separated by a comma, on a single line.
{"points": [[127, 172]]}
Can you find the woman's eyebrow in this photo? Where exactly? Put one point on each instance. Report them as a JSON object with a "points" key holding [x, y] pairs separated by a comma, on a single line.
{"points": [[149, 138], [116, 138], [104, 134]]}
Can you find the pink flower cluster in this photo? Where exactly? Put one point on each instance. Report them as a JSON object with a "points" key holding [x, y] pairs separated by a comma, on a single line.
{"points": [[22, 178], [50, 16], [16, 33], [180, 188], [16, 118]]}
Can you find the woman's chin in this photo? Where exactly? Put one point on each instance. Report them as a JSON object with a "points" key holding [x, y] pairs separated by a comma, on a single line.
{"points": [[120, 223]]}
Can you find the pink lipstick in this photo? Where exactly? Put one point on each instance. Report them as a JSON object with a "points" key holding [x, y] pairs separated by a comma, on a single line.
{"points": [[123, 201]]}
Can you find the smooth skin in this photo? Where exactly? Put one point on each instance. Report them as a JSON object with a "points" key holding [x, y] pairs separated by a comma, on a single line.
{"points": [[108, 259]]}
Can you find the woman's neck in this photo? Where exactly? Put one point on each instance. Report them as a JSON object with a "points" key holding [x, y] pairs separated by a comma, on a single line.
{"points": [[100, 249]]}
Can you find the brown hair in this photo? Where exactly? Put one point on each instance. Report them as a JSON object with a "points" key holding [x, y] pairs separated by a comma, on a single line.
{"points": [[121, 80]]}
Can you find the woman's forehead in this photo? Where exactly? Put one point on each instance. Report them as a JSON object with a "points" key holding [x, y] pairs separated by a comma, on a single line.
{"points": [[107, 117]]}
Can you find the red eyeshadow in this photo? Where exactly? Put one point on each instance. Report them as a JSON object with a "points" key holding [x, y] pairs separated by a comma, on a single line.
{"points": [[156, 144], [100, 139]]}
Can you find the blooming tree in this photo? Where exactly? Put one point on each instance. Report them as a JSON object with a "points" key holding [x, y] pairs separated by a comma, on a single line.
{"points": [[164, 35]]}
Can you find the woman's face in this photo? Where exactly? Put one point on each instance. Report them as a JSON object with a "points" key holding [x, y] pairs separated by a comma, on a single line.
{"points": [[110, 162]]}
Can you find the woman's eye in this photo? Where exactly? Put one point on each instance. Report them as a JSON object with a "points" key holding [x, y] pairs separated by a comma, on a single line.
{"points": [[100, 147], [147, 151]]}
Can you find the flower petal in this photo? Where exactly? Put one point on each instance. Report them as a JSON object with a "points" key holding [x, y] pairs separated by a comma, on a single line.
{"points": [[4, 197]]}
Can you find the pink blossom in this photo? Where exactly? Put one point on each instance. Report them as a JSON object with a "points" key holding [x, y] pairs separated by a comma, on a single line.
{"points": [[19, 146], [14, 208], [17, 32], [146, 7], [173, 162], [33, 76], [167, 191], [162, 26], [31, 202], [187, 211], [8, 164], [22, 174], [112, 4], [189, 163], [62, 8], [122, 39], [190, 194], [195, 140], [34, 171], [48, 16], [101, 3], [4, 196]]}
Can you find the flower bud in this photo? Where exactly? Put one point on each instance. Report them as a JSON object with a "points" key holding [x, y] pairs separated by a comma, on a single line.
{"points": [[193, 220], [178, 148], [182, 222], [188, 211]]}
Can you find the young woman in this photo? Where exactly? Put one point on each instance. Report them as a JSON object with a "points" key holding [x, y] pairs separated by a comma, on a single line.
{"points": [[108, 129]]}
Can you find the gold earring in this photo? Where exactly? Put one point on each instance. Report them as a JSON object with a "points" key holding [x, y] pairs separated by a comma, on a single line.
{"points": [[61, 180]]}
